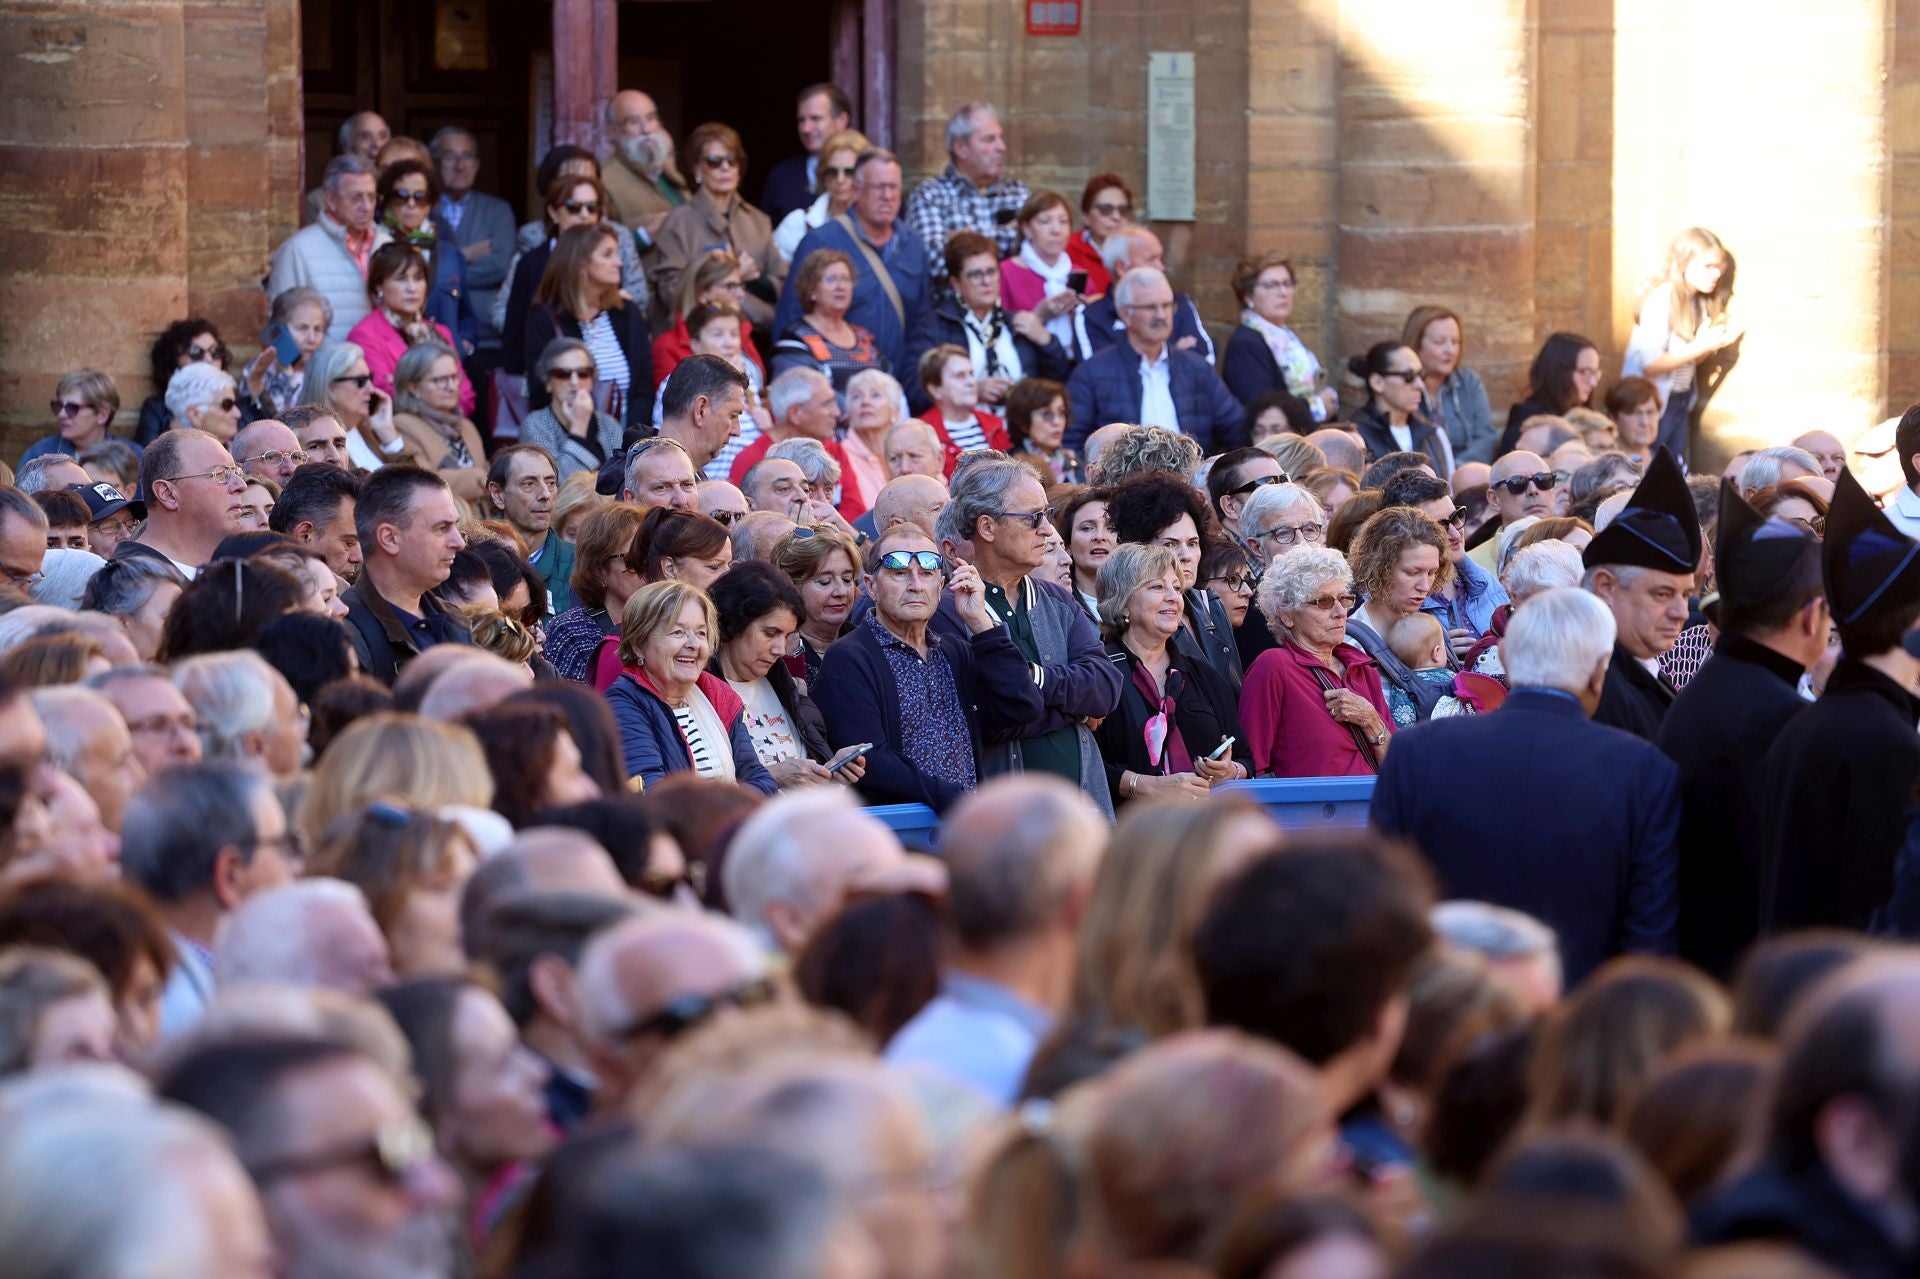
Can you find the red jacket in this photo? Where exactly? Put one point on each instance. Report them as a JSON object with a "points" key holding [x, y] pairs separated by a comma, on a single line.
{"points": [[1083, 255], [992, 427], [853, 503], [676, 344]]}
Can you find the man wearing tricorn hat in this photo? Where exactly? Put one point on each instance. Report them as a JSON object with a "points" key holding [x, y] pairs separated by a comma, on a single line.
{"points": [[1642, 566], [1839, 780], [1772, 619]]}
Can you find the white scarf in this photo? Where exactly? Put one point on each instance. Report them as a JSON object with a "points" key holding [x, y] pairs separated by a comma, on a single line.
{"points": [[1055, 278]]}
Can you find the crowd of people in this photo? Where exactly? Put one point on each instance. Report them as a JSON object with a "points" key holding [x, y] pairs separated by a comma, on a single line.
{"points": [[436, 759]]}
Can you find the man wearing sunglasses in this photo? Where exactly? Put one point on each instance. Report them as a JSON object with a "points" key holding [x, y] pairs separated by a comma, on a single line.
{"points": [[930, 702], [345, 1168], [999, 508], [195, 496], [1522, 485]]}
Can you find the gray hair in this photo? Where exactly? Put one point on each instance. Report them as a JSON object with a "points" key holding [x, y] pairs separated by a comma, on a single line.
{"points": [[287, 301], [66, 739], [64, 575], [438, 141], [1544, 566], [270, 936], [635, 457], [1015, 852], [122, 587], [1134, 280], [1117, 249], [342, 166], [555, 349], [179, 821], [1272, 500], [323, 366], [753, 537], [1130, 566], [1608, 468], [960, 124], [872, 155], [982, 489], [774, 857], [926, 433], [811, 457], [92, 1171], [412, 370], [1556, 640], [1144, 448], [1498, 932], [1296, 577], [232, 695], [1764, 467], [881, 378], [194, 387], [792, 388]]}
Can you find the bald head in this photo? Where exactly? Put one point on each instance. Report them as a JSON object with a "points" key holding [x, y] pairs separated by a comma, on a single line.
{"points": [[910, 499], [480, 681], [1827, 450], [541, 859], [1021, 852], [1534, 500], [1104, 438], [265, 449], [1343, 449], [795, 858]]}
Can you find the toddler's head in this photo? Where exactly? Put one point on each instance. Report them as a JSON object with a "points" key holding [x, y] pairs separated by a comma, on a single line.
{"points": [[1419, 641]]}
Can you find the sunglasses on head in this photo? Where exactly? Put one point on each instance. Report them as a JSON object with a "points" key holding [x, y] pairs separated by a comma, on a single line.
{"points": [[901, 561], [1251, 485], [688, 1011], [1516, 485]]}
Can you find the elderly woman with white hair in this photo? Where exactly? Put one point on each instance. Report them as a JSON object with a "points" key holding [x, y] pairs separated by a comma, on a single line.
{"points": [[1542, 566], [1275, 521], [204, 396], [1314, 706], [139, 591], [875, 402], [64, 575]]}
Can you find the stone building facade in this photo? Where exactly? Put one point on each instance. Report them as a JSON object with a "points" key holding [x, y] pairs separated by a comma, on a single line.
{"points": [[1524, 161]]}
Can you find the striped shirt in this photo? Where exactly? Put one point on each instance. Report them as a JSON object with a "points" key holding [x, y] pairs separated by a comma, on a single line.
{"points": [[609, 361], [707, 742]]}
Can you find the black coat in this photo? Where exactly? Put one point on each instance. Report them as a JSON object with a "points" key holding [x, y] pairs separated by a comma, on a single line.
{"points": [[1205, 710], [381, 641], [1634, 699], [1839, 785], [1718, 732], [1807, 1210], [1427, 438], [1516, 418], [1537, 808], [944, 324], [1248, 367], [629, 325]]}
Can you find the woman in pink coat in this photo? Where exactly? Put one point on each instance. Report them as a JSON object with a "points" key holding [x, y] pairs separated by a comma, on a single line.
{"points": [[397, 284]]}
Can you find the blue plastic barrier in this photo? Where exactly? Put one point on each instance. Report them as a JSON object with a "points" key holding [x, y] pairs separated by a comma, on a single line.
{"points": [[1296, 803]]}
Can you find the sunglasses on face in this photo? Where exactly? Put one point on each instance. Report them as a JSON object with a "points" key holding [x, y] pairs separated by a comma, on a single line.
{"points": [[67, 408], [198, 353], [1457, 518], [1327, 603], [579, 207], [362, 381], [1032, 519], [1409, 376], [720, 161], [688, 1011], [1114, 210], [728, 518], [836, 171], [409, 197], [1518, 484], [901, 561], [1251, 485], [571, 375], [225, 406]]}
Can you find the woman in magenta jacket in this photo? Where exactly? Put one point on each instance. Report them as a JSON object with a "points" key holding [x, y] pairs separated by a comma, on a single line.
{"points": [[397, 285]]}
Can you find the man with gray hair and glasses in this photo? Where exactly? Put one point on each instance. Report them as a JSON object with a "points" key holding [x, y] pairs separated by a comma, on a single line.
{"points": [[1583, 833], [332, 253], [974, 193], [1000, 508]]}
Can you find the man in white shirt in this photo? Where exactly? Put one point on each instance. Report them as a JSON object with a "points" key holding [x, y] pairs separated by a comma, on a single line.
{"points": [[195, 495], [1904, 509]]}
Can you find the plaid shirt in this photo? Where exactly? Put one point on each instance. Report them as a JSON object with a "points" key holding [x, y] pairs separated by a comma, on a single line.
{"points": [[940, 206]]}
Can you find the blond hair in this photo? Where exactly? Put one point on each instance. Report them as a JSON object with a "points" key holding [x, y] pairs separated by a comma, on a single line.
{"points": [[390, 753], [654, 606]]}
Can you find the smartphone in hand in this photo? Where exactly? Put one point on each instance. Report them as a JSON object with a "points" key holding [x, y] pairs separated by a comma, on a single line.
{"points": [[1077, 281], [285, 349], [842, 758]]}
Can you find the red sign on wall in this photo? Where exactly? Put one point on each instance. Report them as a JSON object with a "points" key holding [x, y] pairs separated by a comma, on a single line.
{"points": [[1053, 17]]}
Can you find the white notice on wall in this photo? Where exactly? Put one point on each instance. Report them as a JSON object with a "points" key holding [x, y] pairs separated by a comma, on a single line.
{"points": [[1170, 137]]}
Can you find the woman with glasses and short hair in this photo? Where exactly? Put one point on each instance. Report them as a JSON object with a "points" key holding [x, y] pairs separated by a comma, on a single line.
{"points": [[83, 406], [426, 402], [571, 426], [718, 215], [1391, 421], [205, 398], [1313, 706]]}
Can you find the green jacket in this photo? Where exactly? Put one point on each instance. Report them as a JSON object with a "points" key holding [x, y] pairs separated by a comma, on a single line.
{"points": [[555, 568]]}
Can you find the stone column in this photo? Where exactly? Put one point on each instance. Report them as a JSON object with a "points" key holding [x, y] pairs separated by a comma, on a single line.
{"points": [[94, 230], [1437, 176]]}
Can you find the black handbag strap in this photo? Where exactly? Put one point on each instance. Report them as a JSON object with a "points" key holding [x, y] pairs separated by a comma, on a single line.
{"points": [[1328, 684]]}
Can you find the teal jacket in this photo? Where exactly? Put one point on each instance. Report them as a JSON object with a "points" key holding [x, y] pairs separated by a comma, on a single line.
{"points": [[555, 568]]}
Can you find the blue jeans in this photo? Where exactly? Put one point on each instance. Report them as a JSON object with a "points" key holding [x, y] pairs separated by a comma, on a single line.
{"points": [[1673, 424]]}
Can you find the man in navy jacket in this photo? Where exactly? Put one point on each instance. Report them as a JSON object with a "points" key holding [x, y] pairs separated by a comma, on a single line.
{"points": [[1146, 379], [927, 701], [1535, 807]]}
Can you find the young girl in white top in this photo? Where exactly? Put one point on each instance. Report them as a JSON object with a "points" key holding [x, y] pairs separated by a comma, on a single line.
{"points": [[1681, 326]]}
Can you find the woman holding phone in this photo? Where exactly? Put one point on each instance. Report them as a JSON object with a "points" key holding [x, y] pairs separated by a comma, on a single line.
{"points": [[760, 612], [1682, 333], [1042, 278], [338, 377]]}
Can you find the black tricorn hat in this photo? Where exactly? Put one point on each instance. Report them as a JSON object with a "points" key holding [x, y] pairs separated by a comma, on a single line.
{"points": [[1870, 565], [1755, 557], [1657, 529]]}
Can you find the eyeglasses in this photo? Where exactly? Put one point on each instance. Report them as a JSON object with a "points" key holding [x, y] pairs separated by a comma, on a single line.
{"points": [[1327, 603], [1409, 376], [985, 275], [391, 1154], [1032, 519], [67, 408], [1251, 485], [901, 561], [1518, 484], [1287, 535], [274, 457], [571, 375], [197, 353], [665, 887], [836, 171], [362, 381], [446, 383], [728, 518], [683, 1014], [1235, 582], [1106, 210], [720, 161], [578, 207], [221, 473], [410, 197]]}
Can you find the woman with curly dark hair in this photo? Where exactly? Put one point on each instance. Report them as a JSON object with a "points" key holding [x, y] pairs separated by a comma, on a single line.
{"points": [[1161, 509], [533, 758], [182, 343]]}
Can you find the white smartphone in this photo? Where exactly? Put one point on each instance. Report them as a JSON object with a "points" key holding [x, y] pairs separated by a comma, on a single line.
{"points": [[1220, 751]]}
